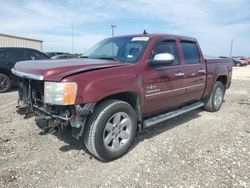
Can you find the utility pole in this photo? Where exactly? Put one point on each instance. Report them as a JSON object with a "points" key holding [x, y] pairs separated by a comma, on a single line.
{"points": [[72, 37], [113, 29], [113, 34], [231, 47]]}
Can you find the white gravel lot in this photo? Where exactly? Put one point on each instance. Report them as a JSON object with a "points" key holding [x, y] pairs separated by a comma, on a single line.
{"points": [[198, 149]]}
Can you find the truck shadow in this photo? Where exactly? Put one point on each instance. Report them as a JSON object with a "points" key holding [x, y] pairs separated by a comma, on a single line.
{"points": [[73, 144]]}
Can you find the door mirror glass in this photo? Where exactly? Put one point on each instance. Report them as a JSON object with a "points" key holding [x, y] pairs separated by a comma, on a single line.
{"points": [[162, 59]]}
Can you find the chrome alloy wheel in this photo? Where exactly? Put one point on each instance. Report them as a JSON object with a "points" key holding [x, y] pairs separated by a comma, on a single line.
{"points": [[218, 97], [117, 131], [3, 83]]}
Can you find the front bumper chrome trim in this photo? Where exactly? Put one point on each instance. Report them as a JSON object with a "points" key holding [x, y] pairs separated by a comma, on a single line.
{"points": [[27, 75]]}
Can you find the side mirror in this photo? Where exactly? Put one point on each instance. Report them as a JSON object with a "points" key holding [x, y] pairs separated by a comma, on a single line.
{"points": [[162, 59]]}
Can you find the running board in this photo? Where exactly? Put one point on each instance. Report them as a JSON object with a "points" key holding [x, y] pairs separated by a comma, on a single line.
{"points": [[163, 117]]}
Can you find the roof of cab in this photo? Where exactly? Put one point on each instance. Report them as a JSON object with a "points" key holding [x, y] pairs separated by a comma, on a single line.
{"points": [[162, 35]]}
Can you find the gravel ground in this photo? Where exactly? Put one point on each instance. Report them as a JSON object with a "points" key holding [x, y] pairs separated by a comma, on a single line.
{"points": [[198, 149]]}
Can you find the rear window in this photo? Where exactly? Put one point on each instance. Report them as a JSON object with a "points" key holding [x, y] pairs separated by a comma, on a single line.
{"points": [[190, 53]]}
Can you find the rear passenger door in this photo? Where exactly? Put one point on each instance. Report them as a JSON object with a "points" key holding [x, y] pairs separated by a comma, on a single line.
{"points": [[194, 71]]}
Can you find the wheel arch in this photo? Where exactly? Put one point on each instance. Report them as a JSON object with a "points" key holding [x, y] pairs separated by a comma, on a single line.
{"points": [[6, 71], [222, 79], [131, 98]]}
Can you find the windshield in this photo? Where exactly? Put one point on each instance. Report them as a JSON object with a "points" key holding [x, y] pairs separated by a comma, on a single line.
{"points": [[122, 49]]}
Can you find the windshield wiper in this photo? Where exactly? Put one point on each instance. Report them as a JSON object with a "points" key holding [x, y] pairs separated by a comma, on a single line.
{"points": [[110, 58]]}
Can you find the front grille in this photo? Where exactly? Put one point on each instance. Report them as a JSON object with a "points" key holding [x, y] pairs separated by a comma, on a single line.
{"points": [[31, 96], [37, 92], [31, 92]]}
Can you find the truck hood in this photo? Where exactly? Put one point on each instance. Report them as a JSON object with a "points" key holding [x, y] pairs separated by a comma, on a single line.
{"points": [[56, 70]]}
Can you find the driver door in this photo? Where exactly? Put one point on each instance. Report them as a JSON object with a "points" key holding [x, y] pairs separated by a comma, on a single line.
{"points": [[163, 84]]}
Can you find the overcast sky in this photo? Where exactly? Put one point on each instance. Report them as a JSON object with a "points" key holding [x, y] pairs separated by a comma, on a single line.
{"points": [[213, 22]]}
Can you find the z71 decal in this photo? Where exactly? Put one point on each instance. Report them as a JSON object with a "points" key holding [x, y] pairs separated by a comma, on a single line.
{"points": [[152, 89]]}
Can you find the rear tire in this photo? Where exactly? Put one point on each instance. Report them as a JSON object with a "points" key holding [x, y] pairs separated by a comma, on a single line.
{"points": [[5, 83], [110, 130], [214, 102]]}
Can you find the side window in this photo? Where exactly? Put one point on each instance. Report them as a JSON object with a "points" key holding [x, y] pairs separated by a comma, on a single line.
{"points": [[33, 55], [26, 55], [2, 56], [167, 47], [190, 53], [39, 55], [13, 56]]}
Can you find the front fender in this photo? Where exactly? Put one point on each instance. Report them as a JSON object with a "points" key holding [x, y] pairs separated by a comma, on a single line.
{"points": [[100, 88], [96, 85]]}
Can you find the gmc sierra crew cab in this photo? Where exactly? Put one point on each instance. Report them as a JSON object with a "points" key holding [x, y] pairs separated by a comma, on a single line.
{"points": [[120, 86]]}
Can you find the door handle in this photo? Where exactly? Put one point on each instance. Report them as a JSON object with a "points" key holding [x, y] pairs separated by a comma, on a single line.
{"points": [[202, 71], [179, 74]]}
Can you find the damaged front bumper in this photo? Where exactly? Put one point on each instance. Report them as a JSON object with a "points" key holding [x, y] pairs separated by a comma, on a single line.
{"points": [[65, 114], [30, 103], [73, 116]]}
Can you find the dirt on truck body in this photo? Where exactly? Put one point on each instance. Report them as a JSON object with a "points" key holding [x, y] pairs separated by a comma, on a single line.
{"points": [[122, 85]]}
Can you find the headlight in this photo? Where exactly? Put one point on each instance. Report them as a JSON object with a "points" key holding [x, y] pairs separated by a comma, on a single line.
{"points": [[60, 93]]}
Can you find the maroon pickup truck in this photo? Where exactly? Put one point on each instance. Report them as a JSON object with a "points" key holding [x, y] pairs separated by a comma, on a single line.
{"points": [[119, 86]]}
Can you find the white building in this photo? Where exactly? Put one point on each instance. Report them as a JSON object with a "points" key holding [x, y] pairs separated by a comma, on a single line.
{"points": [[15, 41]]}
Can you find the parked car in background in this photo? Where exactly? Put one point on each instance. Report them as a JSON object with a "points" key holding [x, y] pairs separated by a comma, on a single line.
{"points": [[51, 54], [8, 59], [238, 62], [63, 56], [245, 59]]}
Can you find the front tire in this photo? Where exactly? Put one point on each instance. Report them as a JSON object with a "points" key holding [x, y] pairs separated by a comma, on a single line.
{"points": [[110, 130], [5, 83], [215, 100]]}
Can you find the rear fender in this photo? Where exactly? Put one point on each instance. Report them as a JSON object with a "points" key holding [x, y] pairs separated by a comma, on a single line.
{"points": [[219, 71]]}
